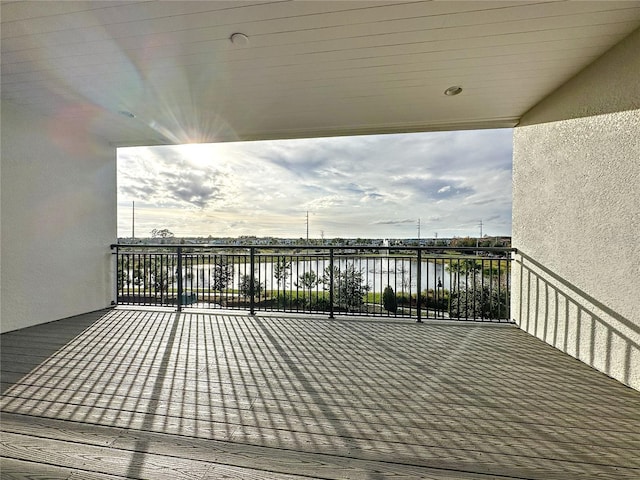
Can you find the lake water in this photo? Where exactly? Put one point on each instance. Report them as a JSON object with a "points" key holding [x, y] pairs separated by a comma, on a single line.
{"points": [[377, 272]]}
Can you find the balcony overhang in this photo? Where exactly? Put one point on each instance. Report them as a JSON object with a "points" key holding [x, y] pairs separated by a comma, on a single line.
{"points": [[148, 73]]}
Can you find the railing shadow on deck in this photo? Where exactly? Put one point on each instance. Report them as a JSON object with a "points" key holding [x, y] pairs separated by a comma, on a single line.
{"points": [[228, 378], [461, 397], [564, 316], [49, 340]]}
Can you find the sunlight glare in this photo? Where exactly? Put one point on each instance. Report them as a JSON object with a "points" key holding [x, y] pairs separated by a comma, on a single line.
{"points": [[199, 154]]}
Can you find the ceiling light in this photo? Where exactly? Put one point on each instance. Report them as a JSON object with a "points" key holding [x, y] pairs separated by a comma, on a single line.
{"points": [[239, 39], [454, 90]]}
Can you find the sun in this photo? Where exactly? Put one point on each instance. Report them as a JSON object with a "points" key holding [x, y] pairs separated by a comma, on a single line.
{"points": [[200, 154]]}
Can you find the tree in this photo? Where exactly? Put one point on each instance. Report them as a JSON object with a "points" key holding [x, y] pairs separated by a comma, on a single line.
{"points": [[466, 269], [124, 277], [308, 280], [389, 300], [138, 273], [348, 286], [160, 275], [281, 270], [463, 242], [163, 233], [475, 295], [221, 274], [480, 300], [405, 280], [247, 289], [154, 274]]}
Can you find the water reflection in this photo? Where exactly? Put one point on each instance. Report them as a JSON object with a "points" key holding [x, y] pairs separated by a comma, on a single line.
{"points": [[377, 273]]}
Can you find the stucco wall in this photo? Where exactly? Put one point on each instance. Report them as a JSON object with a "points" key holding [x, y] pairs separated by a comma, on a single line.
{"points": [[576, 216], [58, 211]]}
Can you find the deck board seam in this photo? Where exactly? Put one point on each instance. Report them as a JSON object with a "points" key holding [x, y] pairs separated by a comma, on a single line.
{"points": [[236, 443], [324, 455]]}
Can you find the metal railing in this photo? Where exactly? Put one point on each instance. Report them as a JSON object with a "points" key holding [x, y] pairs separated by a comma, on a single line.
{"points": [[403, 282]]}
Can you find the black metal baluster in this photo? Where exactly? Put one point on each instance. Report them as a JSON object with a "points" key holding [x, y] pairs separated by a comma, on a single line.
{"points": [[418, 285], [331, 292], [252, 286], [179, 252]]}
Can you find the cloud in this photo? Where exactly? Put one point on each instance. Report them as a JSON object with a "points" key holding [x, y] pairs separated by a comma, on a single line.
{"points": [[426, 187], [165, 178], [395, 222], [352, 186], [288, 158]]}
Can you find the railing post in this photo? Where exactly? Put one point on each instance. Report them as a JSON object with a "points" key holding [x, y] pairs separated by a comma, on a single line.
{"points": [[179, 273], [252, 283], [418, 284], [118, 265], [331, 283], [509, 260]]}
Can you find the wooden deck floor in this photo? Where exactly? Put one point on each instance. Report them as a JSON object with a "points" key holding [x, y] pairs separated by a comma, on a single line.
{"points": [[157, 395]]}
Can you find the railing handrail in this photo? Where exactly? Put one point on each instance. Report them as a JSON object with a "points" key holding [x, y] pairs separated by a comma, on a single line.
{"points": [[316, 247]]}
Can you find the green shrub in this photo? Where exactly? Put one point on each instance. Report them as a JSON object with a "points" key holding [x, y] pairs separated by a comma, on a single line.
{"points": [[480, 301], [389, 300], [403, 300]]}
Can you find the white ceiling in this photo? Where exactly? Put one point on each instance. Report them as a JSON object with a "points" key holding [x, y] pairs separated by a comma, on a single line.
{"points": [[311, 68]]}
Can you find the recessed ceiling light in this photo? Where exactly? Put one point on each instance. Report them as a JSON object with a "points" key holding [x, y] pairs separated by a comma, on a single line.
{"points": [[454, 90], [126, 113], [239, 39]]}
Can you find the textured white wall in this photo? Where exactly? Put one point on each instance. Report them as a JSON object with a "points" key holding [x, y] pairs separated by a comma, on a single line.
{"points": [[576, 216], [58, 211]]}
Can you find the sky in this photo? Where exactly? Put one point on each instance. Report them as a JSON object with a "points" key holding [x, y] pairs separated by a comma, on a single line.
{"points": [[377, 186]]}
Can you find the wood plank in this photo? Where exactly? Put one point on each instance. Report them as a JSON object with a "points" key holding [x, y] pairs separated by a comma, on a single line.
{"points": [[315, 465], [12, 469], [280, 368], [439, 388], [244, 461], [60, 430], [434, 400], [104, 460], [376, 438], [301, 416], [302, 407], [472, 375]]}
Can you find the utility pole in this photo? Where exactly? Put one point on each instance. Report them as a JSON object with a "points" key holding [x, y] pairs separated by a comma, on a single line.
{"points": [[307, 227], [133, 222], [418, 231], [478, 241]]}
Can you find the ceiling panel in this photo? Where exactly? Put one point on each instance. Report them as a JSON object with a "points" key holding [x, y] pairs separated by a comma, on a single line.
{"points": [[310, 68]]}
